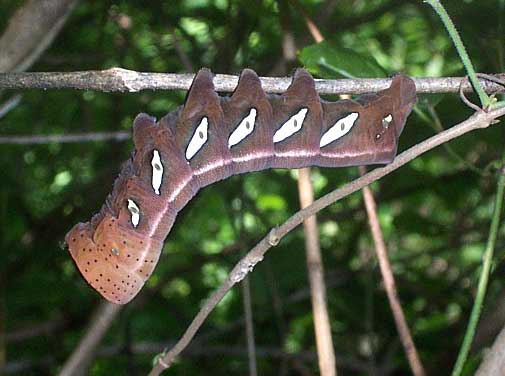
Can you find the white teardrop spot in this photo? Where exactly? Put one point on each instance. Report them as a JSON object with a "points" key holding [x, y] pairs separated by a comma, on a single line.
{"points": [[290, 127], [339, 129], [157, 176], [244, 129], [135, 212], [198, 139], [387, 121]]}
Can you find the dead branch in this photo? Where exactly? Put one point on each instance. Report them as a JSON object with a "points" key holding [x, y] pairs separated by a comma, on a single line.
{"points": [[124, 80]]}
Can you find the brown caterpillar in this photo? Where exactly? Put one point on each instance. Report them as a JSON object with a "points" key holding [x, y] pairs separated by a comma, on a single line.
{"points": [[211, 138]]}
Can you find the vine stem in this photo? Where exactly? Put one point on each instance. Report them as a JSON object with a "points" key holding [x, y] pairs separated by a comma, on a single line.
{"points": [[484, 277], [460, 47]]}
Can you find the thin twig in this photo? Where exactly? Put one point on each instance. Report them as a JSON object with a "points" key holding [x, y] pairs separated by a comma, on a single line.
{"points": [[183, 56], [9, 105], [389, 282], [309, 24], [251, 346], [315, 266], [104, 315], [245, 265], [322, 326], [119, 79], [65, 138], [463, 97]]}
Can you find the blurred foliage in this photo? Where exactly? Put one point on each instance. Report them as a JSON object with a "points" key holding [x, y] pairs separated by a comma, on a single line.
{"points": [[435, 212]]}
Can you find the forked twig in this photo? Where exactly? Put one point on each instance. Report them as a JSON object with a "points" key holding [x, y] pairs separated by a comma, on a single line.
{"points": [[496, 80]]}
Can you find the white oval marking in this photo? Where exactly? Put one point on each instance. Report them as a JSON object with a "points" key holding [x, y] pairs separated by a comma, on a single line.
{"points": [[386, 121], [157, 172], [244, 129], [198, 139], [290, 127], [339, 129], [135, 212]]}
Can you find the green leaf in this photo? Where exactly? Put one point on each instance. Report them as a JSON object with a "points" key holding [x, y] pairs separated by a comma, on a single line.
{"points": [[327, 60]]}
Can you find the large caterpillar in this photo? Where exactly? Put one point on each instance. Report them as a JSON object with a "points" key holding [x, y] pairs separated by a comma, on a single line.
{"points": [[211, 138]]}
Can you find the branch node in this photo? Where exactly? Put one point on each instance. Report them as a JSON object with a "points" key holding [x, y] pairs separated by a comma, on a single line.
{"points": [[128, 78], [465, 99], [162, 363], [245, 267], [273, 237]]}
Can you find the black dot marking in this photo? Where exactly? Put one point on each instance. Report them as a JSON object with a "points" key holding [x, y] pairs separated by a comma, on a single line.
{"points": [[96, 260], [247, 125], [73, 239], [342, 126], [88, 263], [200, 134], [157, 167], [133, 210], [117, 266], [295, 123], [377, 136], [108, 279]]}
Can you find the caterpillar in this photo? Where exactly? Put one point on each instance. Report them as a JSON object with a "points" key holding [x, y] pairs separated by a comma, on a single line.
{"points": [[211, 138]]}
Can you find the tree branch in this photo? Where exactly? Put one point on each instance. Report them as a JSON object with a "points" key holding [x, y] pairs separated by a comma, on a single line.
{"points": [[118, 79], [30, 31], [479, 120]]}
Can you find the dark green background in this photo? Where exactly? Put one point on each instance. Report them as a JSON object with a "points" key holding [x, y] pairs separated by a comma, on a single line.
{"points": [[435, 212]]}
